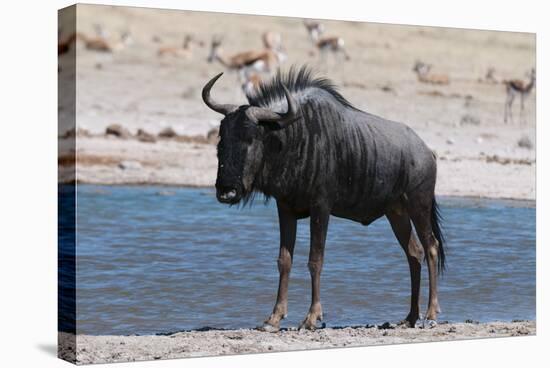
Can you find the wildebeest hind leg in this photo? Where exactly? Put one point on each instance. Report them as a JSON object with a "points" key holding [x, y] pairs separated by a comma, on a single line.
{"points": [[401, 225], [420, 210], [287, 227]]}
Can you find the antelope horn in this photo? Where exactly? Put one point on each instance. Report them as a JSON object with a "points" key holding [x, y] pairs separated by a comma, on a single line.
{"points": [[224, 109], [264, 115]]}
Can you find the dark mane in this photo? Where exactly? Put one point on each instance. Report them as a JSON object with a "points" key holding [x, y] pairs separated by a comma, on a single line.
{"points": [[296, 81]]}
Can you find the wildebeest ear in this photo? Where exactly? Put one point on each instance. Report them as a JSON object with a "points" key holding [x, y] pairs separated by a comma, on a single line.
{"points": [[262, 115]]}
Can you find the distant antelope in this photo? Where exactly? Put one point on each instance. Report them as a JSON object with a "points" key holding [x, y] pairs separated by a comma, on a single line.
{"points": [[184, 51], [314, 29], [274, 42], [422, 71], [252, 83], [63, 46], [101, 44], [489, 76], [513, 88], [255, 60], [325, 45]]}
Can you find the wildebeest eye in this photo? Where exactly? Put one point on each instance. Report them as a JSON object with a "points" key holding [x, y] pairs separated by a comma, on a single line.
{"points": [[247, 134], [273, 144]]}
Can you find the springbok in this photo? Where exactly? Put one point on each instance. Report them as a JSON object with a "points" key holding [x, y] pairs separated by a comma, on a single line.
{"points": [[254, 60], [489, 76], [314, 29], [325, 45], [513, 88], [184, 51], [424, 75], [63, 46], [252, 83], [101, 44]]}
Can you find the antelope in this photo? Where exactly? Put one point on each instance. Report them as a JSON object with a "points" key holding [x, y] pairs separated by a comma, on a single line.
{"points": [[252, 83], [422, 71], [332, 44], [513, 88], [314, 29], [489, 77], [254, 60], [272, 40], [63, 46], [103, 45], [184, 51]]}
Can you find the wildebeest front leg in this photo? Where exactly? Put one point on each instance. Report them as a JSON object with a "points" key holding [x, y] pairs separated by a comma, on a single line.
{"points": [[401, 225], [318, 232], [287, 227]]}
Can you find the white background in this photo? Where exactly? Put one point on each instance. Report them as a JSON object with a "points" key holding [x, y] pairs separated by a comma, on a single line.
{"points": [[28, 184]]}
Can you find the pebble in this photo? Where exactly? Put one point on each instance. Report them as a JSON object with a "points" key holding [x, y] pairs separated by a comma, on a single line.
{"points": [[130, 165]]}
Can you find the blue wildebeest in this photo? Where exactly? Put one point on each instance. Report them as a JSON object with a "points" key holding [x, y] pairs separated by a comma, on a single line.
{"points": [[302, 143]]}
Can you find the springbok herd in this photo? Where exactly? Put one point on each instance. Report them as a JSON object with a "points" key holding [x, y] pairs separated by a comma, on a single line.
{"points": [[253, 66]]}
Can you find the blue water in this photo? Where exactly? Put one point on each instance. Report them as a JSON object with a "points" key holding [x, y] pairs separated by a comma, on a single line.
{"points": [[154, 259]]}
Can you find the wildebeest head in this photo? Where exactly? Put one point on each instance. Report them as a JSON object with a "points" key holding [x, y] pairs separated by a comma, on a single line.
{"points": [[240, 149]]}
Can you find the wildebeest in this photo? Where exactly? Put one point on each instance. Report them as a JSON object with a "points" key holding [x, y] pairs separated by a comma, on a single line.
{"points": [[301, 142]]}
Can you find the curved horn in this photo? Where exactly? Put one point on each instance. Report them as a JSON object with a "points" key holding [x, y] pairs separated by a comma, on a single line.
{"points": [[260, 114], [221, 108]]}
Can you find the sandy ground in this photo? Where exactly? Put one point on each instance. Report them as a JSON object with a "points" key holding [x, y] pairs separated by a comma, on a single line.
{"points": [[106, 349], [133, 87]]}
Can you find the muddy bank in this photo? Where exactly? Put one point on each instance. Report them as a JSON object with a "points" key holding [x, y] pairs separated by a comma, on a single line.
{"points": [[107, 349]]}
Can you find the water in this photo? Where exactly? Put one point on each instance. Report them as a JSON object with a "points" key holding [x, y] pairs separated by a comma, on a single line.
{"points": [[153, 259]]}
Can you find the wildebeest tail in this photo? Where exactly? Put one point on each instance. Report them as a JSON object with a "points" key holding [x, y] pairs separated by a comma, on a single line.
{"points": [[438, 233]]}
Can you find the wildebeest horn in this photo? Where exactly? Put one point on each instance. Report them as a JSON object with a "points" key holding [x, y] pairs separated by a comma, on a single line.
{"points": [[221, 108], [261, 114]]}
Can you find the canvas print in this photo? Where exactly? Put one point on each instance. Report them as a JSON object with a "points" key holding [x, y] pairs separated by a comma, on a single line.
{"points": [[233, 184]]}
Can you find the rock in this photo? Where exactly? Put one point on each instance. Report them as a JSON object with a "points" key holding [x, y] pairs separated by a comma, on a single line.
{"points": [[212, 136], [469, 120], [143, 136], [117, 131], [525, 142], [386, 326], [168, 133], [450, 141], [130, 165]]}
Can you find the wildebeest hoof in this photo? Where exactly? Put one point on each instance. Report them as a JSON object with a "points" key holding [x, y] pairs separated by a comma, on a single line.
{"points": [[310, 322], [407, 323], [307, 325], [266, 327], [429, 323]]}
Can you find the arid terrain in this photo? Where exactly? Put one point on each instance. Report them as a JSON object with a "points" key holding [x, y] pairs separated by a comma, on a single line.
{"points": [[144, 94], [110, 349]]}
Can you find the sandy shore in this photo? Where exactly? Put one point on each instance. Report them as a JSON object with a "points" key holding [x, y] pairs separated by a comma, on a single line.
{"points": [[108, 349]]}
